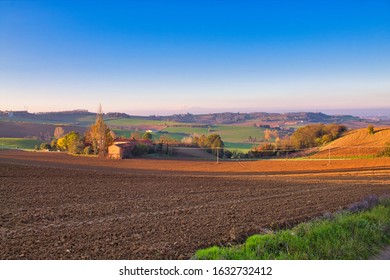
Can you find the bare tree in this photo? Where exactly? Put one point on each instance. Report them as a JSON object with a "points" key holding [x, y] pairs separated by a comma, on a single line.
{"points": [[58, 132]]}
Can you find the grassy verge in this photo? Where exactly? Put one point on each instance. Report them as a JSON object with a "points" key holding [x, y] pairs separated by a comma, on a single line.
{"points": [[344, 236]]}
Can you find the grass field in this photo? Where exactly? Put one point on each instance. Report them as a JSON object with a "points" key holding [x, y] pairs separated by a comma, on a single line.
{"points": [[241, 147], [345, 236], [136, 122], [156, 135], [238, 134], [18, 143], [65, 120]]}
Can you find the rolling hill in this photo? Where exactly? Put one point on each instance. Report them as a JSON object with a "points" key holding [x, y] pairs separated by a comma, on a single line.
{"points": [[358, 143]]}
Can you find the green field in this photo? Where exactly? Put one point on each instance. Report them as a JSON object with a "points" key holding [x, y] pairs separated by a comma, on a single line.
{"points": [[136, 122], [237, 134], [156, 135], [234, 137], [18, 143], [346, 236], [65, 120], [240, 147], [187, 131]]}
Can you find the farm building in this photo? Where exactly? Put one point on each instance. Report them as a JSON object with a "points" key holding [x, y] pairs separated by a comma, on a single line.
{"points": [[123, 148]]}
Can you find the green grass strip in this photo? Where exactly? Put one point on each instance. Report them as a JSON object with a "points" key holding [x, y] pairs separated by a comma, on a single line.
{"points": [[346, 236]]}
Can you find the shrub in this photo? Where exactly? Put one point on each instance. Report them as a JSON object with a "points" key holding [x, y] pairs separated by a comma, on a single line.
{"points": [[45, 146], [53, 144], [385, 152], [88, 150], [371, 129], [228, 154], [139, 150]]}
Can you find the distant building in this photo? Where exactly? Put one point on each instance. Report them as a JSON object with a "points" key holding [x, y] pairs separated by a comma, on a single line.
{"points": [[123, 148], [120, 150]]}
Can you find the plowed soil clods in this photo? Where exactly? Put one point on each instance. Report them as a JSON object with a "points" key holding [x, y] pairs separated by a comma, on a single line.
{"points": [[55, 206]]}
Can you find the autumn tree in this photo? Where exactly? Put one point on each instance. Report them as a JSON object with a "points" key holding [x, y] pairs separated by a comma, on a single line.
{"points": [[99, 135], [267, 134]]}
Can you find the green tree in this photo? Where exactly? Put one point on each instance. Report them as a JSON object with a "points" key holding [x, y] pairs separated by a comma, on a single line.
{"points": [[45, 146], [215, 141], [74, 142], [371, 129], [147, 136], [88, 150], [53, 144]]}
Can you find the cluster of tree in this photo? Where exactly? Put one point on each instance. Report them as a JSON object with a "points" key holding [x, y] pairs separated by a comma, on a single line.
{"points": [[268, 134], [305, 137], [95, 140], [72, 142], [316, 135], [212, 141]]}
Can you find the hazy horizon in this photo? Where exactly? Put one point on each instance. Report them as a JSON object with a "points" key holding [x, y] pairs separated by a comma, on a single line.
{"points": [[154, 57], [360, 112]]}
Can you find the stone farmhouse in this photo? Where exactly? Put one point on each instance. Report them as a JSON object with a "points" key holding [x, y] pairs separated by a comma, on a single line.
{"points": [[123, 148]]}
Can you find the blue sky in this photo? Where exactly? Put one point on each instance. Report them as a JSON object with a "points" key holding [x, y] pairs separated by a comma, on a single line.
{"points": [[161, 57]]}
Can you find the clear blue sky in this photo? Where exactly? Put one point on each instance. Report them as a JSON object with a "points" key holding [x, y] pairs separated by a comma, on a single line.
{"points": [[156, 57]]}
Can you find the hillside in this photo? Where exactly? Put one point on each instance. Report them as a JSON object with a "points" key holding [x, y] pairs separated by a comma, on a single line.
{"points": [[358, 143]]}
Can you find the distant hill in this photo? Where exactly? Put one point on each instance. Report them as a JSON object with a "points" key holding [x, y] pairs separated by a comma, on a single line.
{"points": [[81, 117], [358, 143], [75, 117], [256, 118]]}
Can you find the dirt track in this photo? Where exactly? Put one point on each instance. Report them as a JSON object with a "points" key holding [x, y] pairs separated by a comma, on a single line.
{"points": [[55, 206]]}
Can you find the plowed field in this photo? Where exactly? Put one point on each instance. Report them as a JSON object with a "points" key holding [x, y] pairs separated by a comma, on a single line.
{"points": [[55, 206]]}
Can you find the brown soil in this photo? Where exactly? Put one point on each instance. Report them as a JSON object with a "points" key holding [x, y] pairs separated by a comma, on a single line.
{"points": [[56, 206]]}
